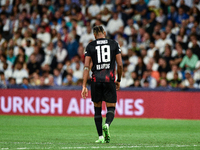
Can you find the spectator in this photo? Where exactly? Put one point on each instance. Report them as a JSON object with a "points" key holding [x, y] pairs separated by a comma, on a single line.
{"points": [[165, 4], [182, 37], [19, 73], [186, 83], [170, 35], [86, 37], [7, 71], [2, 40], [17, 40], [109, 5], [189, 60], [137, 83], [78, 72], [173, 13], [126, 81], [5, 24], [93, 9], [163, 83], [12, 81], [27, 36], [181, 16], [21, 52], [161, 18], [28, 48], [167, 55], [76, 59], [130, 25], [10, 56], [35, 18], [45, 37], [46, 79], [105, 15], [57, 77], [145, 83], [195, 47], [121, 15], [68, 81], [191, 83], [186, 4], [151, 50], [83, 6], [147, 80], [162, 41], [3, 81], [163, 65], [140, 10], [25, 83], [61, 52], [114, 25], [140, 68], [123, 47], [33, 65], [24, 5], [179, 55], [35, 7], [72, 46], [128, 8], [175, 81], [170, 74], [49, 52], [38, 53], [35, 79], [77, 27], [67, 6]]}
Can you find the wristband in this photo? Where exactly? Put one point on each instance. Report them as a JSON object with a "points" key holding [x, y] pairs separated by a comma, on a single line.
{"points": [[118, 80], [86, 68]]}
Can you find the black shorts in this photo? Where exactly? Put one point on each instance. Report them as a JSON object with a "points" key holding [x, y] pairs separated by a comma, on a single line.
{"points": [[103, 91]]}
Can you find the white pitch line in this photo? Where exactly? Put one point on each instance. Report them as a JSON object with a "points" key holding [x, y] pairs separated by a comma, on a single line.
{"points": [[108, 147], [136, 146]]}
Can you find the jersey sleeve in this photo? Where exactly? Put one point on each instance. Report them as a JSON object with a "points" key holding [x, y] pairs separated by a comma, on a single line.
{"points": [[118, 49], [87, 51]]}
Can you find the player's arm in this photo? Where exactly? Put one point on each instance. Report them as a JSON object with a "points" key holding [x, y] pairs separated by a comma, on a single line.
{"points": [[84, 92], [119, 70]]}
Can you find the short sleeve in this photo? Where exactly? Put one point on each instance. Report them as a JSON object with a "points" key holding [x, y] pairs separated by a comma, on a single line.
{"points": [[118, 49], [87, 51]]}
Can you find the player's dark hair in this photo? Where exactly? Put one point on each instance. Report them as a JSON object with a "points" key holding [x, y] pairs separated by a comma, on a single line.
{"points": [[98, 29]]}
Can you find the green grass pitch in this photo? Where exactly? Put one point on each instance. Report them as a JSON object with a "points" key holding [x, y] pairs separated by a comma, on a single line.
{"points": [[31, 132]]}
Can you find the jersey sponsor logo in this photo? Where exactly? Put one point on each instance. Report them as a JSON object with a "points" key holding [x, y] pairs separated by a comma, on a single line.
{"points": [[102, 41]]}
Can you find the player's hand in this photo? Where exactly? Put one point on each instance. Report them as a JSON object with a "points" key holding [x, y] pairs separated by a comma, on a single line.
{"points": [[117, 85], [84, 92]]}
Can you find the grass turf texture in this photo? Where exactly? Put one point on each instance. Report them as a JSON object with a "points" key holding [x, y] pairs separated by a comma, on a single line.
{"points": [[31, 132]]}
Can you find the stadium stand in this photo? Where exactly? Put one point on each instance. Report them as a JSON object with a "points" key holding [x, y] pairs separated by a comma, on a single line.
{"points": [[42, 42]]}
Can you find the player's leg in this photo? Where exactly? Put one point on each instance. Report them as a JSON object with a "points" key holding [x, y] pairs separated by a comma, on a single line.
{"points": [[96, 93], [98, 121], [109, 118], [110, 113], [111, 99]]}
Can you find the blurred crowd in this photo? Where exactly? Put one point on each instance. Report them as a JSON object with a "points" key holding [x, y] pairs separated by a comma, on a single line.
{"points": [[42, 42]]}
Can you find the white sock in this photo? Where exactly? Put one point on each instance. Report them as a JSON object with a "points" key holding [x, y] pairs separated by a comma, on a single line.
{"points": [[107, 125], [101, 137]]}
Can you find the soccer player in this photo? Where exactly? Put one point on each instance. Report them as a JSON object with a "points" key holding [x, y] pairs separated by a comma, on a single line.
{"points": [[103, 53]]}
